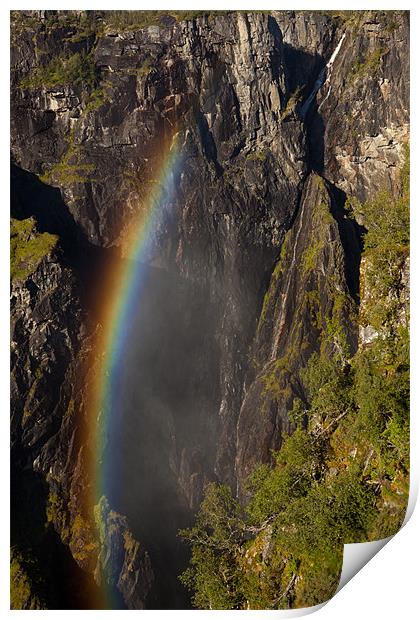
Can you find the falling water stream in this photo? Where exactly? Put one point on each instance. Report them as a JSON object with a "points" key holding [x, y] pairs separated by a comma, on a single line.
{"points": [[323, 78]]}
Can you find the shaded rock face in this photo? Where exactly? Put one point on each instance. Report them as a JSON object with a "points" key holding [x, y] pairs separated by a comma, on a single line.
{"points": [[310, 285], [121, 561], [38, 308], [256, 256]]}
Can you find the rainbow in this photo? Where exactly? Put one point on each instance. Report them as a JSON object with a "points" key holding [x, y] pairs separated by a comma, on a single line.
{"points": [[119, 314]]}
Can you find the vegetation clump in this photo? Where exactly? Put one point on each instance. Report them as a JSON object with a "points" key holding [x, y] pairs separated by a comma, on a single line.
{"points": [[310, 256], [63, 70], [292, 103], [21, 587], [260, 155], [57, 515], [369, 66], [27, 248], [71, 169], [96, 99]]}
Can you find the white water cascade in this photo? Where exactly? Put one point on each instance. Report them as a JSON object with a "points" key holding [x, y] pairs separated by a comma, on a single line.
{"points": [[323, 78]]}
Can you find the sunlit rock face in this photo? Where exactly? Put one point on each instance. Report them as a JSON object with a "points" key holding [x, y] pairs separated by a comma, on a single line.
{"points": [[254, 253]]}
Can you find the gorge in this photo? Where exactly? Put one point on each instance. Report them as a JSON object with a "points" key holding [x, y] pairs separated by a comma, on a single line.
{"points": [[194, 198]]}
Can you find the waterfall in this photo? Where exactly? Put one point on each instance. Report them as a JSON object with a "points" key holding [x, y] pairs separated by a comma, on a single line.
{"points": [[323, 78]]}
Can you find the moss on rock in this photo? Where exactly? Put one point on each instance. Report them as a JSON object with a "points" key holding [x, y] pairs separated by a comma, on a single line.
{"points": [[28, 248]]}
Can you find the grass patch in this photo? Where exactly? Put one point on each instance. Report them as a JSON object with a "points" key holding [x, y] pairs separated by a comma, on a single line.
{"points": [[310, 256], [21, 594], [96, 99], [369, 66], [27, 248], [145, 68], [70, 170], [274, 377], [257, 156], [64, 173], [79, 68], [271, 291], [292, 103], [130, 20], [56, 515]]}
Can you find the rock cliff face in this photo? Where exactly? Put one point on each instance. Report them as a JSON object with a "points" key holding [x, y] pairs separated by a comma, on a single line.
{"points": [[280, 117]]}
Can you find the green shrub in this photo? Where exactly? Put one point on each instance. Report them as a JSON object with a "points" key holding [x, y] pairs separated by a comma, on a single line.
{"points": [[216, 536], [369, 66], [22, 595], [292, 103], [71, 169], [27, 248], [79, 68]]}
